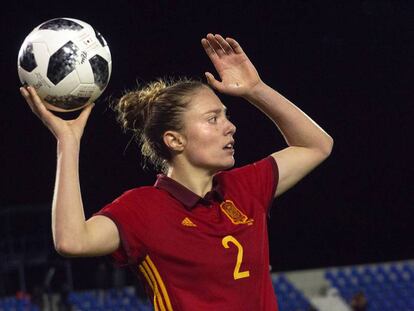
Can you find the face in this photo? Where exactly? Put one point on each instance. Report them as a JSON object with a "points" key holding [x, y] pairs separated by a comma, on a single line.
{"points": [[208, 133]]}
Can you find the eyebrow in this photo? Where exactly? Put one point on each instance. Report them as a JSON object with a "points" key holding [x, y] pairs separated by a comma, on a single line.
{"points": [[217, 110]]}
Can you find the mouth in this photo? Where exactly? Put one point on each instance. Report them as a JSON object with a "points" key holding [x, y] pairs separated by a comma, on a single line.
{"points": [[229, 146]]}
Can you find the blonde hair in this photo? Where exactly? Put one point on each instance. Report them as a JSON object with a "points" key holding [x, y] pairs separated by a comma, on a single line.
{"points": [[151, 110]]}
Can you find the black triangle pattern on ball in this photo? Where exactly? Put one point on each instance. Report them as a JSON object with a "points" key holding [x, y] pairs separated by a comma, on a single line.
{"points": [[100, 71], [61, 24], [67, 102], [27, 59], [62, 62]]}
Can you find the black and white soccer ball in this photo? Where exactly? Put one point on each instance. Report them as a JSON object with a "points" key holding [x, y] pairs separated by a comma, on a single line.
{"points": [[67, 61]]}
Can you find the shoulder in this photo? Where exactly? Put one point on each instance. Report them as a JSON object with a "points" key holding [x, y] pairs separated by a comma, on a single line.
{"points": [[138, 192], [134, 204], [258, 179], [250, 170], [136, 197]]}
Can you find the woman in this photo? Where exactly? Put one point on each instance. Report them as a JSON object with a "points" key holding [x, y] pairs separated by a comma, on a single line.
{"points": [[198, 236]]}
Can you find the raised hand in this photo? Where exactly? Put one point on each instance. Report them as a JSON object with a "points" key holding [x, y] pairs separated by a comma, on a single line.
{"points": [[238, 75], [61, 129]]}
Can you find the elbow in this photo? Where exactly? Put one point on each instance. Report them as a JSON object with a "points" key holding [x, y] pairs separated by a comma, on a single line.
{"points": [[325, 149], [329, 146], [67, 248]]}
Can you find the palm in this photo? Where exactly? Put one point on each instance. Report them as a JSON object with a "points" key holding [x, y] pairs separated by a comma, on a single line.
{"points": [[61, 129], [237, 73]]}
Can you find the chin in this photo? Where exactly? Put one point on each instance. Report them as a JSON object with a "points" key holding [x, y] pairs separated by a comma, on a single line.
{"points": [[220, 165], [228, 164]]}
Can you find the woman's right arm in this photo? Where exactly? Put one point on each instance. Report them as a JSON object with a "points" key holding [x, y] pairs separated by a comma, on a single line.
{"points": [[72, 234]]}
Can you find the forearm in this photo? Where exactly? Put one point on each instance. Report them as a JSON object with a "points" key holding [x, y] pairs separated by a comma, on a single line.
{"points": [[297, 128], [68, 218]]}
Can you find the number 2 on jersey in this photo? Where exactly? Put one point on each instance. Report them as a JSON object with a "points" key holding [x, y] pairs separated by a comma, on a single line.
{"points": [[237, 274]]}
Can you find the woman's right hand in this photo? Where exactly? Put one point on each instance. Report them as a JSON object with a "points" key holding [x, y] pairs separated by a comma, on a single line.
{"points": [[72, 235], [61, 129]]}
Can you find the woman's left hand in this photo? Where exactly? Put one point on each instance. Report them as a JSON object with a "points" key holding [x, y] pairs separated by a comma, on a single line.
{"points": [[238, 75]]}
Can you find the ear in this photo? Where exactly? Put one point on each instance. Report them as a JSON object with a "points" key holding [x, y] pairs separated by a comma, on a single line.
{"points": [[174, 141]]}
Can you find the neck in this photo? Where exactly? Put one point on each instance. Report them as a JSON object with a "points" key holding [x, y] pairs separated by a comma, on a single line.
{"points": [[197, 180]]}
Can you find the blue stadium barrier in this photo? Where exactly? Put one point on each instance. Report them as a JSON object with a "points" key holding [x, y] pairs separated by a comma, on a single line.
{"points": [[386, 287], [288, 296], [16, 304]]}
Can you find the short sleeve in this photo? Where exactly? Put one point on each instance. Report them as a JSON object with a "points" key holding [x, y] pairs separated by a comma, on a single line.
{"points": [[124, 213], [259, 179]]}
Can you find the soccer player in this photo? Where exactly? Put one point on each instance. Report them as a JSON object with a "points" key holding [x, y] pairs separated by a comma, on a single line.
{"points": [[198, 237]]}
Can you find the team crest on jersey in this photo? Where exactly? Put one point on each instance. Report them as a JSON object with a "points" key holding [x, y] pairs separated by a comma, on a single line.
{"points": [[234, 214]]}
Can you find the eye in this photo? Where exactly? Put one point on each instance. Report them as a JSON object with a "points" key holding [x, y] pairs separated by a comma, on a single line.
{"points": [[213, 119]]}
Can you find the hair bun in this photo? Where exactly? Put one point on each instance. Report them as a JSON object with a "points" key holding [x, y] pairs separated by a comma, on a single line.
{"points": [[134, 107], [149, 93]]}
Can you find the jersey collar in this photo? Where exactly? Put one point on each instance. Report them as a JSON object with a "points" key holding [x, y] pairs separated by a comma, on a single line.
{"points": [[188, 198]]}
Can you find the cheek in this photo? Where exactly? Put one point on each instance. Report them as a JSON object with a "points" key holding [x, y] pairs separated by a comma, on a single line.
{"points": [[201, 135], [202, 140]]}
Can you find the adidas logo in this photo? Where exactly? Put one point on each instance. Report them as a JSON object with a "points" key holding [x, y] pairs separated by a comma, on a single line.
{"points": [[188, 223]]}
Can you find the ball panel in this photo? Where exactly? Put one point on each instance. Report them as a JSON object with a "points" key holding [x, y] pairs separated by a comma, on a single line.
{"points": [[62, 62], [87, 91], [26, 57], [100, 71], [65, 87], [53, 40], [58, 24], [37, 77], [85, 73], [100, 38]]}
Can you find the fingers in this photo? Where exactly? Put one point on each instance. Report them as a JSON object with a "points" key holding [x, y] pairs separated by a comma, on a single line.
{"points": [[36, 105], [26, 96], [217, 46], [209, 50], [224, 44], [32, 101], [234, 45]]}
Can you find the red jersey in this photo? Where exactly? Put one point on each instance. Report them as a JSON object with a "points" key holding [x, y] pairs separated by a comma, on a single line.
{"points": [[196, 253]]}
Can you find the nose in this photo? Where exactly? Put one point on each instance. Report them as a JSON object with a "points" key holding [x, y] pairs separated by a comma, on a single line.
{"points": [[230, 128]]}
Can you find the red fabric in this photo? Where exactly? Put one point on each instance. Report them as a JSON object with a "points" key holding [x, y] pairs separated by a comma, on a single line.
{"points": [[195, 266]]}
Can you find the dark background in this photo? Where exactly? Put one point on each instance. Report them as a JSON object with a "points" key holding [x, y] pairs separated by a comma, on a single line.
{"points": [[349, 66]]}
